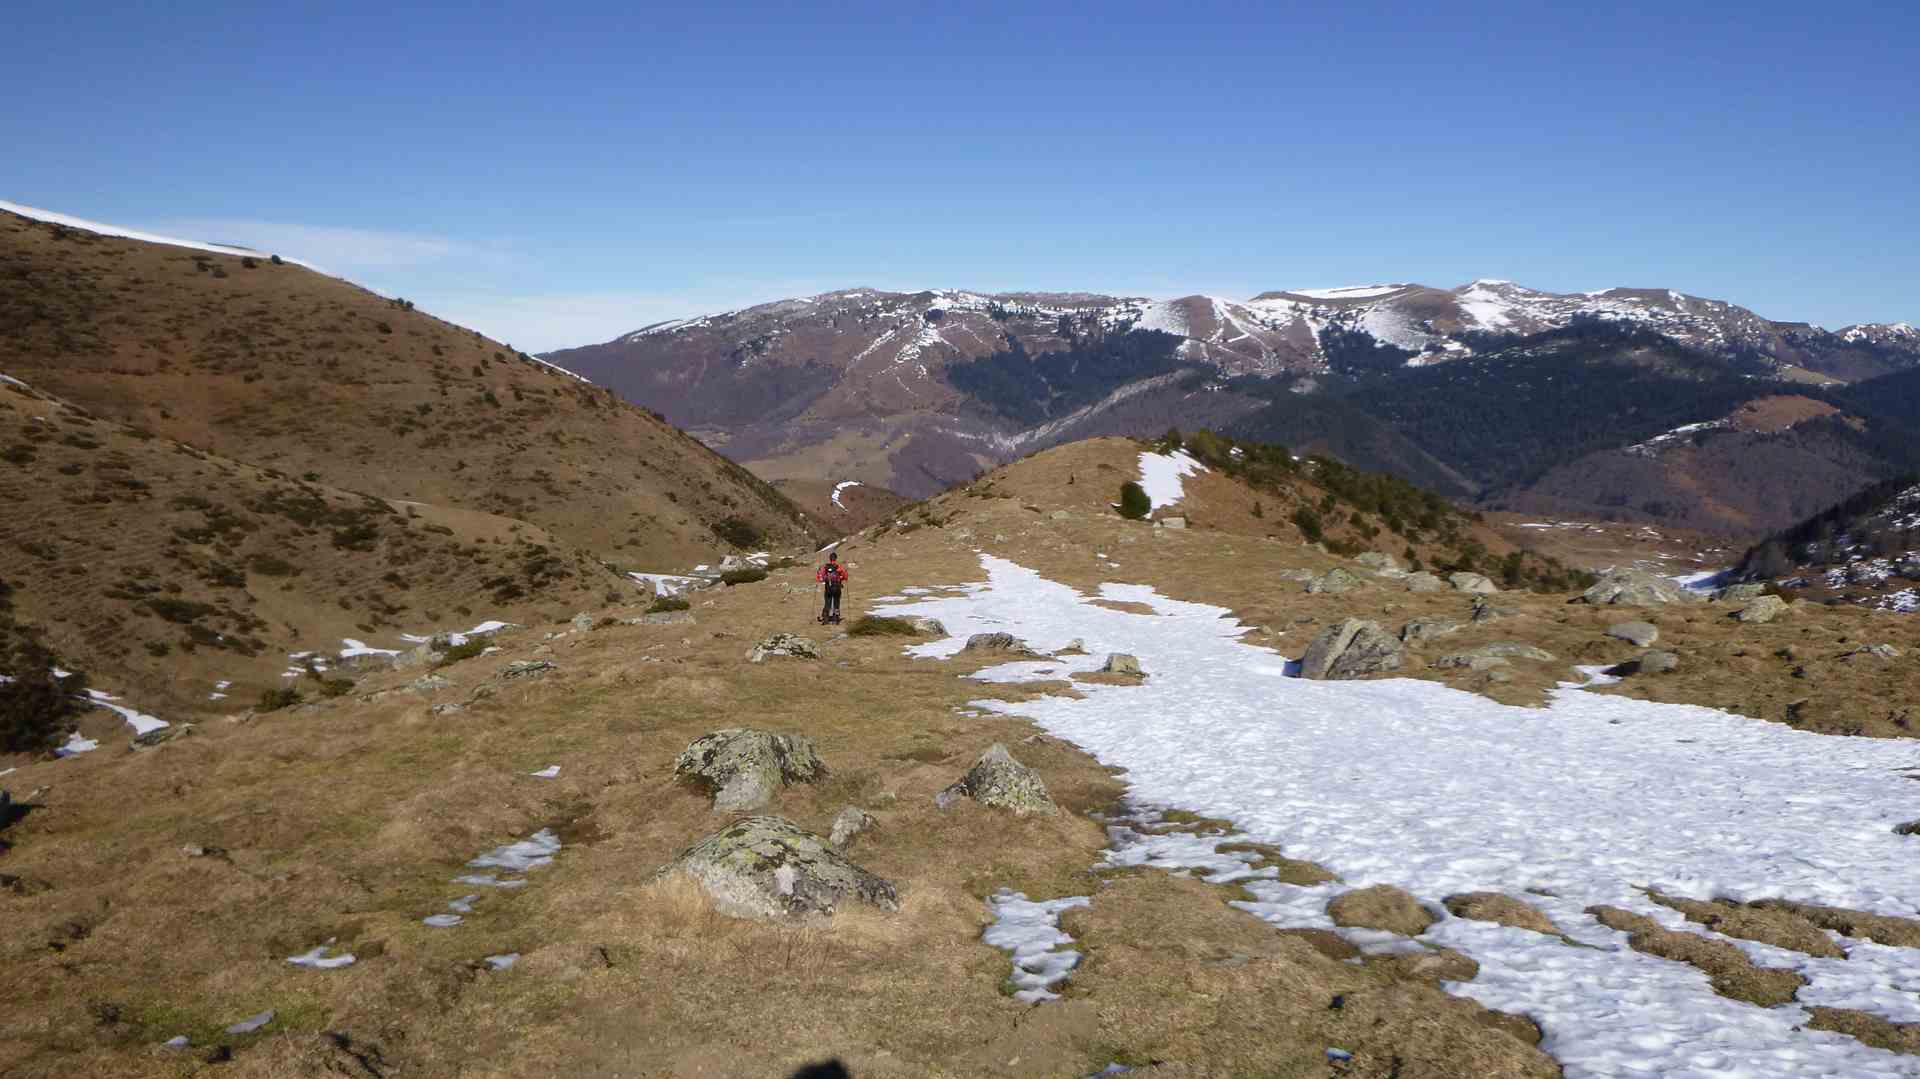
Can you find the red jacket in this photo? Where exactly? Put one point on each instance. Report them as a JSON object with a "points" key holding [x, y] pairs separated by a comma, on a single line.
{"points": [[831, 573]]}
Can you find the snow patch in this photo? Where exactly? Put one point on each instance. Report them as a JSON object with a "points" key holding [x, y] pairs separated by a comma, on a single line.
{"points": [[1031, 931], [1160, 475], [841, 486]]}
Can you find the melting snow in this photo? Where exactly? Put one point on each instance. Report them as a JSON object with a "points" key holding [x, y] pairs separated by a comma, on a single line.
{"points": [[139, 721], [841, 486], [248, 1026], [1160, 475], [76, 744], [1031, 931], [1593, 799], [551, 771], [317, 959], [1351, 292], [502, 962], [532, 852]]}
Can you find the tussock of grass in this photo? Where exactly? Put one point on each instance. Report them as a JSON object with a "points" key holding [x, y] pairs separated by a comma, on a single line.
{"points": [[459, 652], [668, 603], [875, 626], [748, 575]]}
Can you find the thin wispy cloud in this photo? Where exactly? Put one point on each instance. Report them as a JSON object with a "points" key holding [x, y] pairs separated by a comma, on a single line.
{"points": [[341, 250]]}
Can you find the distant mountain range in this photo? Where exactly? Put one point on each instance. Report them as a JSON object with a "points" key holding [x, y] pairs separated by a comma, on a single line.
{"points": [[1490, 390]]}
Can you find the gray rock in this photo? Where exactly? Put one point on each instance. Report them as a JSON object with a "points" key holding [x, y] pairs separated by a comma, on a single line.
{"points": [[1472, 582], [1499, 675], [998, 781], [582, 622], [1175, 523], [849, 825], [1295, 574], [448, 708], [1880, 651], [1121, 663], [366, 663], [930, 626], [526, 668], [1350, 648], [1335, 580], [769, 867], [429, 683], [1424, 582], [1377, 560], [783, 644], [1657, 663], [1741, 593], [1427, 629], [1762, 610], [1487, 612], [1636, 587], [745, 768], [1496, 654], [1641, 634], [996, 642], [1911, 827], [662, 618]]}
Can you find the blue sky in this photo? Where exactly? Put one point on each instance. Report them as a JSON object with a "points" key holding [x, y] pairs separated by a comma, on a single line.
{"points": [[557, 178]]}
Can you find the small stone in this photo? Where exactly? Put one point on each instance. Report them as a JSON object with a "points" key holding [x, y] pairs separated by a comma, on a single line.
{"points": [[1121, 663], [998, 781], [1741, 593], [849, 825], [526, 668], [930, 626], [1062, 515], [783, 644], [996, 642], [1175, 523], [1334, 581], [248, 1026], [1640, 634], [1487, 612], [582, 623], [1423, 582], [1427, 629], [429, 683]]}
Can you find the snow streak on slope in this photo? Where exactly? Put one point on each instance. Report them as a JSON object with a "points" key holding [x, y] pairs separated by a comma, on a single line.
{"points": [[1160, 475], [85, 225], [1592, 800]]}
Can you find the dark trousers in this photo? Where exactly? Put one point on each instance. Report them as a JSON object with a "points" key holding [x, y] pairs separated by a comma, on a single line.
{"points": [[831, 609]]}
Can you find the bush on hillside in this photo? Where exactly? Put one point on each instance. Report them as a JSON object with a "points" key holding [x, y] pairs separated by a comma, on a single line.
{"points": [[465, 650], [273, 700], [668, 603], [1134, 503], [36, 707], [738, 531], [744, 575], [876, 626]]}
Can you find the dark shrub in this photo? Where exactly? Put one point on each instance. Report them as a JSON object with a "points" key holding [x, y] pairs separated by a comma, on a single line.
{"points": [[273, 700], [738, 531], [473, 647], [875, 626], [744, 575], [668, 603], [36, 707], [1134, 503]]}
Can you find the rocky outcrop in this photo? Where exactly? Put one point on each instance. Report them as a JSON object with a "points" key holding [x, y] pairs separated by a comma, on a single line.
{"points": [[783, 644], [1000, 782], [932, 627], [745, 768], [1121, 663], [1762, 610], [1350, 648], [1741, 593], [1381, 907], [1472, 582], [769, 867], [1636, 588], [1484, 611], [1640, 634], [526, 668], [1335, 581], [1382, 564], [1648, 663]]}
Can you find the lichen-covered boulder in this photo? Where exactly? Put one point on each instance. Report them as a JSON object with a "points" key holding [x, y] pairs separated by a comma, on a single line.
{"points": [[1472, 582], [998, 781], [1121, 663], [744, 768], [1762, 610], [783, 644], [1636, 587], [930, 626], [1335, 581], [770, 867], [1379, 562], [1349, 649], [1741, 593]]}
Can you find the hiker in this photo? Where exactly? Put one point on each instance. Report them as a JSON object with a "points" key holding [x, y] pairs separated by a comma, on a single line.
{"points": [[833, 575]]}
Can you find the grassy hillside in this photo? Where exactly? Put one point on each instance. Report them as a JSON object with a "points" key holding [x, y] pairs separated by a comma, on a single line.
{"points": [[163, 569], [324, 381]]}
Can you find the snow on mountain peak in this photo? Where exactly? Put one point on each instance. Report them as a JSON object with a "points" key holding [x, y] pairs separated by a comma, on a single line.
{"points": [[81, 223]]}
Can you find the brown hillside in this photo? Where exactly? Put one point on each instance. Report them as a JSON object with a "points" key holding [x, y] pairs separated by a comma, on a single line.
{"points": [[161, 569], [315, 377], [858, 507]]}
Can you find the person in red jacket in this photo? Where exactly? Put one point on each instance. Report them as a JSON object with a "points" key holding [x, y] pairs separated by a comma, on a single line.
{"points": [[834, 576]]}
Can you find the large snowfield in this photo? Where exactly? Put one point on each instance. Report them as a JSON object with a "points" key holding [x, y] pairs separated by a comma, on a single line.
{"points": [[1594, 799]]}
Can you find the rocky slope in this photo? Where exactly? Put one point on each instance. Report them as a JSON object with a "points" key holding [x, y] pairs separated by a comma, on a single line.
{"points": [[919, 390]]}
